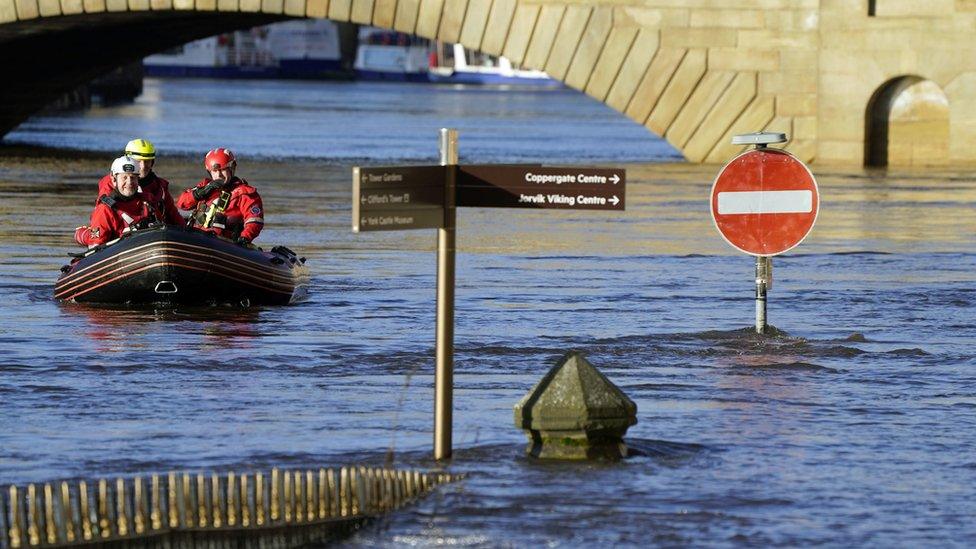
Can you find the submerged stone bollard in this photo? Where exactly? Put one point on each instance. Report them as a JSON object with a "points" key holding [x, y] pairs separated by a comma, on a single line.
{"points": [[575, 412]]}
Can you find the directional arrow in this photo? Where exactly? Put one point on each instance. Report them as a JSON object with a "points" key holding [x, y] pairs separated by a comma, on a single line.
{"points": [[614, 200], [364, 221], [615, 179], [362, 200]]}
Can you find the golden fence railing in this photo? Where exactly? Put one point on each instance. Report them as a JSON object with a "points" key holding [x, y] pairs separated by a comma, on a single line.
{"points": [[286, 508]]}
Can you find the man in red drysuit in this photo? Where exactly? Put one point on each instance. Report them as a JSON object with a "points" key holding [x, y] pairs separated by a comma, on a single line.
{"points": [[118, 210], [223, 203]]}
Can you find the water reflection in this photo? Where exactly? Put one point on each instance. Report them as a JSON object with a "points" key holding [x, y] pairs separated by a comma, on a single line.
{"points": [[122, 330]]}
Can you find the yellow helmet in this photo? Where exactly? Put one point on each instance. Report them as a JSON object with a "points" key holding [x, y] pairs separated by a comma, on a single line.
{"points": [[140, 149]]}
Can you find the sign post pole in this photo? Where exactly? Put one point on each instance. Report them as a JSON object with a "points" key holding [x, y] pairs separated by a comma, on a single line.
{"points": [[764, 277], [444, 371]]}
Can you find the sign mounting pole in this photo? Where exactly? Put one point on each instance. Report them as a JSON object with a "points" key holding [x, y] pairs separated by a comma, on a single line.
{"points": [[764, 271], [444, 371], [764, 278]]}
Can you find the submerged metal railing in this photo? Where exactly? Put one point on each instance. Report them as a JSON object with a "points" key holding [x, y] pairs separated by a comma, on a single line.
{"points": [[286, 508]]}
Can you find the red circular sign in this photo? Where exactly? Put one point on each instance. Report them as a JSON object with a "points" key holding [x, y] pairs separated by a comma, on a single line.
{"points": [[764, 202]]}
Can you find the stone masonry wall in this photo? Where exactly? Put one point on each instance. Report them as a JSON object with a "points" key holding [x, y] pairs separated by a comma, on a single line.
{"points": [[694, 71]]}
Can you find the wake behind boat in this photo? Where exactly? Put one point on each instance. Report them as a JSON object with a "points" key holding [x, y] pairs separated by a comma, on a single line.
{"points": [[176, 265]]}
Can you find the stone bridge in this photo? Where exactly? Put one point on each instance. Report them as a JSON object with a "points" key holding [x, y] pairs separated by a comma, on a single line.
{"points": [[876, 82]]}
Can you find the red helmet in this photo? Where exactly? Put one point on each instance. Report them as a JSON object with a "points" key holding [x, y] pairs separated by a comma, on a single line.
{"points": [[218, 159]]}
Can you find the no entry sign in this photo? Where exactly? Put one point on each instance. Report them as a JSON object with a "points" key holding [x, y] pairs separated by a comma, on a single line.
{"points": [[764, 202]]}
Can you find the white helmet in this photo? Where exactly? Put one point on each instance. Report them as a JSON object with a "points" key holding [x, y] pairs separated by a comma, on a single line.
{"points": [[124, 164]]}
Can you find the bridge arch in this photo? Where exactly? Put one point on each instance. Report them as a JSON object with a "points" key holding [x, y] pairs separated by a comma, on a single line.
{"points": [[689, 95], [693, 72], [907, 123]]}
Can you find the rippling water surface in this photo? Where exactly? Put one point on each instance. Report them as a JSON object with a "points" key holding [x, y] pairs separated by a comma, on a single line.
{"points": [[854, 424]]}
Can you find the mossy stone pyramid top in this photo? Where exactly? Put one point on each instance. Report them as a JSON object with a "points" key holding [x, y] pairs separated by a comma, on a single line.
{"points": [[575, 396]]}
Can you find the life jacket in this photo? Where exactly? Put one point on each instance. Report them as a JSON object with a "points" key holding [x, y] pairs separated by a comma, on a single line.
{"points": [[214, 216], [154, 190], [151, 213], [231, 212], [114, 217]]}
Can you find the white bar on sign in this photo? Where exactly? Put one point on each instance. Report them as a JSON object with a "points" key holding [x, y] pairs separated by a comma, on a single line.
{"points": [[765, 202]]}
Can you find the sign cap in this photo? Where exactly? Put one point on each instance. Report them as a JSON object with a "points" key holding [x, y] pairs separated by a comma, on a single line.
{"points": [[759, 138]]}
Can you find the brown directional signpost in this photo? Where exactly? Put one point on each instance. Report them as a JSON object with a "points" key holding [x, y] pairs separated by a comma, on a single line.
{"points": [[540, 187], [398, 198], [412, 197], [426, 197]]}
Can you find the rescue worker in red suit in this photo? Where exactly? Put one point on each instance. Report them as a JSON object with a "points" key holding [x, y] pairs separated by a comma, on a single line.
{"points": [[154, 189], [242, 217], [118, 210]]}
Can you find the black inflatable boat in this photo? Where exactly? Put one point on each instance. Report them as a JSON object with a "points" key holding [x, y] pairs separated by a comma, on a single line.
{"points": [[175, 265]]}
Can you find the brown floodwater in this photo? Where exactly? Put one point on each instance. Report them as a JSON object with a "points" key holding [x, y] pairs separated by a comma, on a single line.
{"points": [[854, 423]]}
